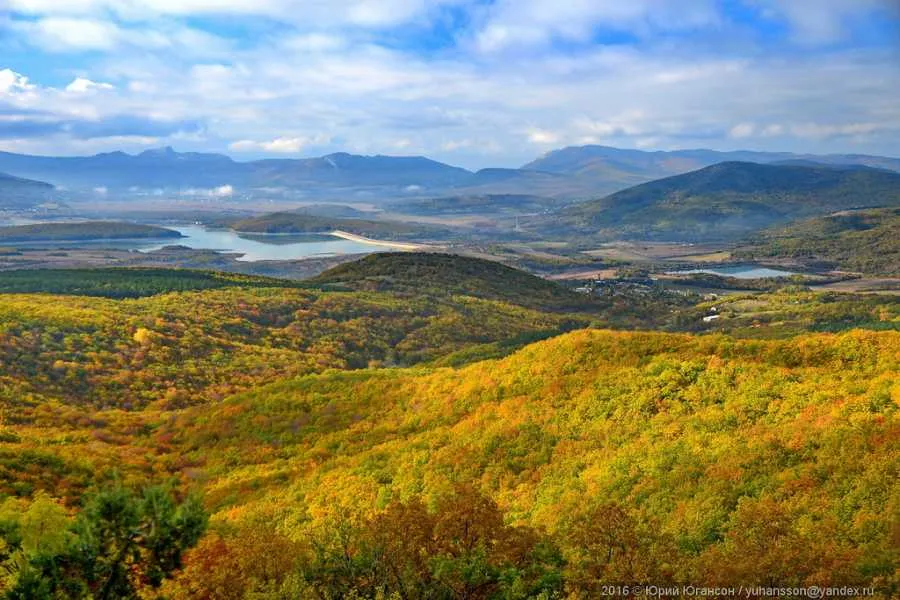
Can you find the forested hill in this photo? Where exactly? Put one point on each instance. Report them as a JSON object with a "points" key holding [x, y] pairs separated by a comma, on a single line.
{"points": [[867, 241], [591, 458], [447, 274], [727, 200], [302, 222], [90, 230]]}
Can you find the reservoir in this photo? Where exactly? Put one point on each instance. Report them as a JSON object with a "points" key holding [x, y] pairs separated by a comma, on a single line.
{"points": [[255, 247], [739, 272], [252, 247]]}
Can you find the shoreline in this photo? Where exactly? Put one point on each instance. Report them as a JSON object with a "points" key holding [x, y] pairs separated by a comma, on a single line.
{"points": [[364, 240]]}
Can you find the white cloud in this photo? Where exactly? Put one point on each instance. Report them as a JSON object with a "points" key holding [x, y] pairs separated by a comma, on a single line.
{"points": [[825, 130], [57, 145], [222, 191], [60, 34], [82, 85], [13, 83], [509, 23], [451, 145], [315, 42], [333, 87], [280, 144], [821, 21], [67, 34], [742, 130], [361, 13], [542, 136]]}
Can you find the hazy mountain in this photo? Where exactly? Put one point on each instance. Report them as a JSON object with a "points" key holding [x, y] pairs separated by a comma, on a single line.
{"points": [[17, 192], [614, 168], [11, 182], [166, 169], [570, 173], [342, 169], [727, 200]]}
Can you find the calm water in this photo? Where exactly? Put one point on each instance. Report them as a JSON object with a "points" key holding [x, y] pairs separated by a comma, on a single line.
{"points": [[259, 247], [739, 272], [253, 247]]}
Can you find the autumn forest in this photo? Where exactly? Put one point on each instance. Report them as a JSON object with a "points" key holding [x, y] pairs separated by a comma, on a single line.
{"points": [[358, 436]]}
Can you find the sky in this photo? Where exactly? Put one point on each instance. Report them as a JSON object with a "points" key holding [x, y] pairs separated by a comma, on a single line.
{"points": [[474, 83]]}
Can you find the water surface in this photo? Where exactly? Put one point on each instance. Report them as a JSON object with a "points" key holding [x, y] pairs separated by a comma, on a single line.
{"points": [[256, 247], [251, 247], [739, 272]]}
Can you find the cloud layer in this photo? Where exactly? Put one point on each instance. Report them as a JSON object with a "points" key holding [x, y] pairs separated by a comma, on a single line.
{"points": [[474, 82]]}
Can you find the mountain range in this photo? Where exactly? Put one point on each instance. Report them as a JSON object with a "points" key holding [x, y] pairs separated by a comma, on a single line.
{"points": [[614, 169], [575, 173]]}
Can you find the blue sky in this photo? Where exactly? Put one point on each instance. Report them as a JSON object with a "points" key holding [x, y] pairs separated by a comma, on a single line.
{"points": [[471, 82]]}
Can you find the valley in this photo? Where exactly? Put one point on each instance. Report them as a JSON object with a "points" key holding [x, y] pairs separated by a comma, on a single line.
{"points": [[490, 394], [449, 300]]}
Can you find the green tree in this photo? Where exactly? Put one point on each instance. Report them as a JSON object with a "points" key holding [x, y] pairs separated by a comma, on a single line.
{"points": [[118, 544]]}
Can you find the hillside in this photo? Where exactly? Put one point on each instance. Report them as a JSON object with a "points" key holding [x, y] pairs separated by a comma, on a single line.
{"points": [[302, 222], [414, 273], [18, 193], [866, 241], [725, 201], [346, 169], [591, 458], [231, 334], [127, 282], [485, 204], [9, 182], [89, 230], [624, 167]]}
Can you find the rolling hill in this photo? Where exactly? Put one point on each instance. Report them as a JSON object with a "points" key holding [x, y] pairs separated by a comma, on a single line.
{"points": [[303, 222], [88, 230], [393, 428], [725, 201], [866, 241], [414, 273], [590, 458], [189, 337], [483, 204]]}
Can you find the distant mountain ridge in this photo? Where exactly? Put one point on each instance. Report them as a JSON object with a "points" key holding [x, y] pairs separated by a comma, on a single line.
{"points": [[725, 201], [622, 167], [18, 192], [575, 173], [164, 168], [11, 181]]}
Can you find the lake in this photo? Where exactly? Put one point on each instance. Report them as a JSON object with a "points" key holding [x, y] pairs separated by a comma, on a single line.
{"points": [[739, 272], [255, 247], [252, 247]]}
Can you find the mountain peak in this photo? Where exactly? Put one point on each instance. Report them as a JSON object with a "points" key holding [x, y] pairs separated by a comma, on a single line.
{"points": [[165, 151]]}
